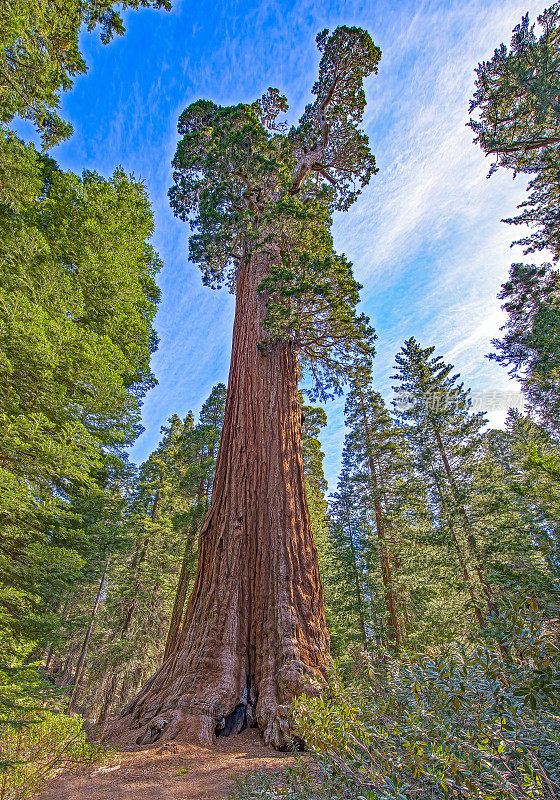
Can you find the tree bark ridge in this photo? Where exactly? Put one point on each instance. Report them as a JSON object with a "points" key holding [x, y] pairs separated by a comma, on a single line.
{"points": [[255, 623]]}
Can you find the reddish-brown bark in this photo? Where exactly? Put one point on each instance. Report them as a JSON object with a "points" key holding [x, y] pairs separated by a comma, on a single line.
{"points": [[255, 626]]}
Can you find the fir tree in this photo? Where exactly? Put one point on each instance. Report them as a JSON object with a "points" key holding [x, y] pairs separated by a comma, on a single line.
{"points": [[445, 437]]}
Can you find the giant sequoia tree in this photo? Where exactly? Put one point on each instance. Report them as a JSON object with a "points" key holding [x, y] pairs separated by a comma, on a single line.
{"points": [[259, 198]]}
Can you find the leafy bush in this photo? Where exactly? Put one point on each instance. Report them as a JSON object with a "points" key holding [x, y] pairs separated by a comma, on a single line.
{"points": [[39, 749], [477, 724], [292, 784]]}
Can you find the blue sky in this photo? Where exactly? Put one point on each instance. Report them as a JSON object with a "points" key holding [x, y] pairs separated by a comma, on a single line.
{"points": [[425, 237]]}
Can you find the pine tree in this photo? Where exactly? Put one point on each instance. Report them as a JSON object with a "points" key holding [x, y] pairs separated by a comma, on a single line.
{"points": [[139, 585], [403, 563], [446, 437]]}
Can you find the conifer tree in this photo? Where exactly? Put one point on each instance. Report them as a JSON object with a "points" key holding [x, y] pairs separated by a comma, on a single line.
{"points": [[260, 201], [530, 462], [160, 502], [529, 347], [40, 54], [199, 448], [355, 621], [377, 455], [388, 555], [445, 437], [487, 537], [517, 99], [78, 298]]}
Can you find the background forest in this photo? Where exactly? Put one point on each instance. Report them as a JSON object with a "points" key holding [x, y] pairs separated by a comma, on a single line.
{"points": [[439, 549]]}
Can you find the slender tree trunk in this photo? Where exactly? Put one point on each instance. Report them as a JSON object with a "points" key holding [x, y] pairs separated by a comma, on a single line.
{"points": [[387, 575], [108, 699], [358, 580], [83, 652], [177, 618], [460, 557], [471, 539], [255, 625], [177, 615], [65, 677], [466, 575], [137, 561], [386, 572]]}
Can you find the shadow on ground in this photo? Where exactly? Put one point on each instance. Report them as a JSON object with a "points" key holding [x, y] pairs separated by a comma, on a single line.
{"points": [[172, 772]]}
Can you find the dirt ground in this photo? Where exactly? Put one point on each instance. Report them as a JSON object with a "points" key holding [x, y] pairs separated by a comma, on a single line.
{"points": [[170, 772]]}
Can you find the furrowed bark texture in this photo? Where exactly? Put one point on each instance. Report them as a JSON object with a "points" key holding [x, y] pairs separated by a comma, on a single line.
{"points": [[177, 615], [255, 632]]}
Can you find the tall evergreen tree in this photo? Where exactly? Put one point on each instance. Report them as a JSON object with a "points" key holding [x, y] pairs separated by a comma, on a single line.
{"points": [[260, 202], [199, 448], [446, 438], [530, 460], [377, 453], [355, 621], [111, 643], [486, 536], [78, 298]]}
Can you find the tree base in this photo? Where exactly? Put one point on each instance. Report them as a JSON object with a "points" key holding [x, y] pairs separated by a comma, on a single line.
{"points": [[148, 718], [201, 729], [176, 726]]}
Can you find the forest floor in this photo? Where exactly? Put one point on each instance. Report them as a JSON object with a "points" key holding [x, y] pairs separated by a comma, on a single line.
{"points": [[170, 772]]}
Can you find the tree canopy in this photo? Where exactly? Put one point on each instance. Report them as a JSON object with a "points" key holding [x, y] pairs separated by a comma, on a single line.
{"points": [[517, 98], [248, 184], [40, 54]]}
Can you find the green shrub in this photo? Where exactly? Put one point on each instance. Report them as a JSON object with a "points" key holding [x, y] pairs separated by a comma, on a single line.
{"points": [[477, 724], [304, 781], [36, 751]]}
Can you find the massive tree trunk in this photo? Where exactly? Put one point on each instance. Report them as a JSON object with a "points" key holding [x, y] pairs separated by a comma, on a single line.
{"points": [[255, 632]]}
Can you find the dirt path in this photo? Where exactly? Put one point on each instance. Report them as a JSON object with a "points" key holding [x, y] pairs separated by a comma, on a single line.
{"points": [[171, 772]]}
